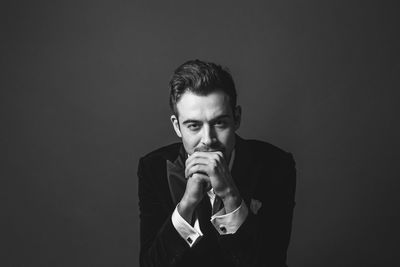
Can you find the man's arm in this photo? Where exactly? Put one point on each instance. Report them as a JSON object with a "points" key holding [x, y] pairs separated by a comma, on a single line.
{"points": [[263, 238], [160, 243]]}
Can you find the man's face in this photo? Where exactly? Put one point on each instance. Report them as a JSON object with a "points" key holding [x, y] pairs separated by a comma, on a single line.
{"points": [[206, 123]]}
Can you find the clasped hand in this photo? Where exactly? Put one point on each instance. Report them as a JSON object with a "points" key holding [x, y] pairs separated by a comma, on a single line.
{"points": [[206, 170]]}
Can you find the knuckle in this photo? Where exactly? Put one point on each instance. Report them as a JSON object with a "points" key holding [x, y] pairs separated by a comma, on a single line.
{"points": [[214, 164], [195, 176]]}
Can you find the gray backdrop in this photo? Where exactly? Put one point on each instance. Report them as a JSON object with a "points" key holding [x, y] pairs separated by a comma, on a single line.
{"points": [[84, 95]]}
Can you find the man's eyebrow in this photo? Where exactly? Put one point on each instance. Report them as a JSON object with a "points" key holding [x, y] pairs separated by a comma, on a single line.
{"points": [[190, 121], [223, 116]]}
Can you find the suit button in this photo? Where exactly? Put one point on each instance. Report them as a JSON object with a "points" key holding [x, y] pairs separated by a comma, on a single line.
{"points": [[222, 228]]}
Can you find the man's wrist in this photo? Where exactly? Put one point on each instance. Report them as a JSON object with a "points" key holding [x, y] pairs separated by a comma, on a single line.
{"points": [[186, 209], [231, 202]]}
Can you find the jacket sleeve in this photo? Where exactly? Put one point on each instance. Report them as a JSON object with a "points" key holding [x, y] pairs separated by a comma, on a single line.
{"points": [[263, 238], [160, 243]]}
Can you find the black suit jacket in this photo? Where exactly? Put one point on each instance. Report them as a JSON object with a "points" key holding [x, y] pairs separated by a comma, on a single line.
{"points": [[261, 171]]}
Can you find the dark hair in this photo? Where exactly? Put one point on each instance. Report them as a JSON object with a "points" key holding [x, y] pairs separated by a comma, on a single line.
{"points": [[200, 78]]}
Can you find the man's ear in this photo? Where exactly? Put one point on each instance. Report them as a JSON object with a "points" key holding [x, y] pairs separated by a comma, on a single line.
{"points": [[175, 124], [237, 114]]}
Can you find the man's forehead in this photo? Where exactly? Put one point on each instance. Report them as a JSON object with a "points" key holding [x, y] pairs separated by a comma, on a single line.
{"points": [[192, 106]]}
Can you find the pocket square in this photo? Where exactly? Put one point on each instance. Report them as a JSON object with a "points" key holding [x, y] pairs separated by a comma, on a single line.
{"points": [[255, 205]]}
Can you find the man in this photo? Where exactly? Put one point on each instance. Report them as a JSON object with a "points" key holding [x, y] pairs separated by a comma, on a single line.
{"points": [[215, 199]]}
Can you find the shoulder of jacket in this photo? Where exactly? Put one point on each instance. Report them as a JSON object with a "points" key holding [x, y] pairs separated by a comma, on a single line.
{"points": [[263, 147], [165, 152]]}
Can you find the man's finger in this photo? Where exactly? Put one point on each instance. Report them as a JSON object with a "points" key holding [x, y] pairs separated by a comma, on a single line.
{"points": [[197, 155], [203, 179], [199, 168], [198, 158], [211, 155], [202, 154], [196, 161]]}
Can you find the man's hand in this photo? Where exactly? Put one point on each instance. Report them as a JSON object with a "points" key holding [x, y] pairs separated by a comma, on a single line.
{"points": [[197, 185], [215, 167]]}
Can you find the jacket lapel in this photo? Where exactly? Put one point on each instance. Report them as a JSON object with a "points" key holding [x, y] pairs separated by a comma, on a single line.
{"points": [[242, 171], [176, 176]]}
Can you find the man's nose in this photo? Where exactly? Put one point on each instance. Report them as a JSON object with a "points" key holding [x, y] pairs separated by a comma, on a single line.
{"points": [[208, 137]]}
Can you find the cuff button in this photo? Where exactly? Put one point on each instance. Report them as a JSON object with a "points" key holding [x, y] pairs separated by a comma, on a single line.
{"points": [[222, 228], [189, 240]]}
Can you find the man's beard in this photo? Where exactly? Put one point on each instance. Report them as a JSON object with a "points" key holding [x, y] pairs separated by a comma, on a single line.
{"points": [[213, 148]]}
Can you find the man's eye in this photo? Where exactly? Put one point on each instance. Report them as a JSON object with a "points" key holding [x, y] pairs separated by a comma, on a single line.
{"points": [[193, 126], [220, 123]]}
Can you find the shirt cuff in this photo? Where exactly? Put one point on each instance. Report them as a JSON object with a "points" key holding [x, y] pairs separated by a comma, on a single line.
{"points": [[229, 223], [191, 234]]}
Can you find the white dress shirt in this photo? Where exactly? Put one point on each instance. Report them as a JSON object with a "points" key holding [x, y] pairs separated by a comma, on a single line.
{"points": [[224, 223]]}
